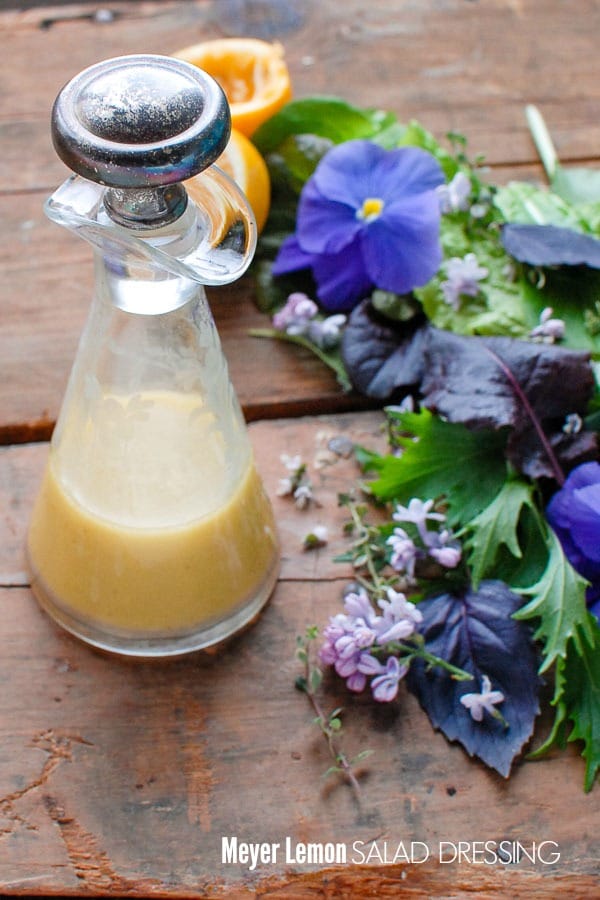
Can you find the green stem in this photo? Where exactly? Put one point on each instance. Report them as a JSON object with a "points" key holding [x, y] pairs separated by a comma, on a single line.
{"points": [[542, 140], [412, 652], [377, 583], [331, 361], [339, 757]]}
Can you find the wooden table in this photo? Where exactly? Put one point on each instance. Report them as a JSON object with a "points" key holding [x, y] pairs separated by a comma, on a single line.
{"points": [[121, 779]]}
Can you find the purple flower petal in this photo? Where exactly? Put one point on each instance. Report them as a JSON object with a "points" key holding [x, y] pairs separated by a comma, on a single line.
{"points": [[356, 682], [341, 278], [355, 170], [324, 225], [291, 257], [574, 514], [385, 686], [586, 529], [347, 173], [401, 248], [369, 665], [409, 171]]}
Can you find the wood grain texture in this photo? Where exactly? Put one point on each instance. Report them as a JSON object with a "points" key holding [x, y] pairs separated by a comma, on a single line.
{"points": [[121, 779], [462, 65]]}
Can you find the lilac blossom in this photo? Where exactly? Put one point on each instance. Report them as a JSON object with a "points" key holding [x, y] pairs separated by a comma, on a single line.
{"points": [[299, 317], [296, 315], [345, 647], [419, 513], [454, 196], [385, 685], [463, 279], [367, 217], [550, 329], [350, 640], [442, 546], [405, 552], [327, 333], [485, 701], [399, 620]]}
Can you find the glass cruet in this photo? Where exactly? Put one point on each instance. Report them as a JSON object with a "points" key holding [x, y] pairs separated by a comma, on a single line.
{"points": [[151, 534]]}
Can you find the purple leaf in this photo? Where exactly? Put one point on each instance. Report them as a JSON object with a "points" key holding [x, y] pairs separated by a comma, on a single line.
{"points": [[479, 382], [476, 632], [382, 356], [525, 451], [549, 245], [500, 382]]}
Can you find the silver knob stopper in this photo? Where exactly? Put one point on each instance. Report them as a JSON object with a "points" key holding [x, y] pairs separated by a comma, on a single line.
{"points": [[140, 125]]}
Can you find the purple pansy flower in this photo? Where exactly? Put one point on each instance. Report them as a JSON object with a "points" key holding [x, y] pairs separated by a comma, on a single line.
{"points": [[367, 217], [574, 513]]}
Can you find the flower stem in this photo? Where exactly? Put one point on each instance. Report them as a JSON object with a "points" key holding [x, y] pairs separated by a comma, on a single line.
{"points": [[373, 582], [342, 763], [410, 652], [338, 755], [330, 359]]}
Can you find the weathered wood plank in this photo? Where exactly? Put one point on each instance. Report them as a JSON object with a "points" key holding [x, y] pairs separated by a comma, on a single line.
{"points": [[457, 65], [121, 779], [468, 66]]}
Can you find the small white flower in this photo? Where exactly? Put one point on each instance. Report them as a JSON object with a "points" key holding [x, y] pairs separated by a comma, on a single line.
{"points": [[479, 210], [549, 330], [291, 463], [326, 333], [295, 316], [418, 512], [573, 424], [303, 496], [485, 701], [318, 537], [463, 279], [454, 196], [285, 487]]}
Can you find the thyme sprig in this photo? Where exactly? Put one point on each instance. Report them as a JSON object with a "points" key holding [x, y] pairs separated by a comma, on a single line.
{"points": [[330, 724]]}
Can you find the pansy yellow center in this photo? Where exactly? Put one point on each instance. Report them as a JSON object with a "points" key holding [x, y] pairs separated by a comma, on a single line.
{"points": [[371, 209]]}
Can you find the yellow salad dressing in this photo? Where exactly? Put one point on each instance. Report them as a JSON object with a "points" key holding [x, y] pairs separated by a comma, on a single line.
{"points": [[143, 526]]}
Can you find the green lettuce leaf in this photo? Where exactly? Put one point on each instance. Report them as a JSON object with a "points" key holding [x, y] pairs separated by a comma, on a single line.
{"points": [[577, 184], [446, 460], [527, 204], [327, 117], [558, 603], [495, 526], [577, 699], [573, 296], [498, 307]]}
